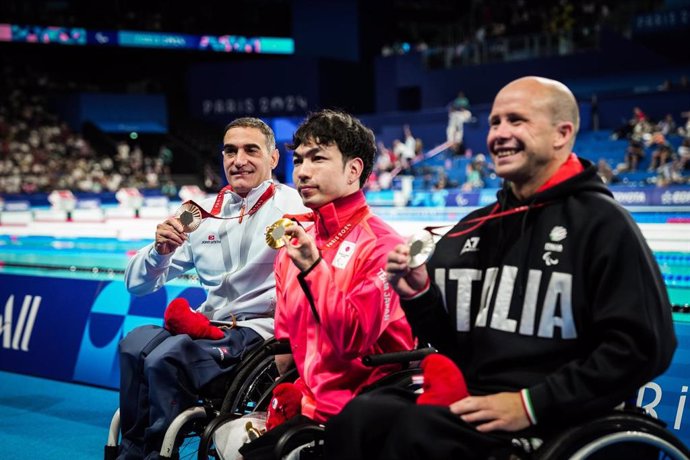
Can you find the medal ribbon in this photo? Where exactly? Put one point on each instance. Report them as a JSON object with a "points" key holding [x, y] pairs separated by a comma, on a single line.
{"points": [[340, 234], [218, 204], [479, 221]]}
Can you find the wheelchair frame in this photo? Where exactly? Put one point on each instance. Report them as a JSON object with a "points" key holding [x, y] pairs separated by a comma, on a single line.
{"points": [[249, 383], [629, 425], [310, 435]]}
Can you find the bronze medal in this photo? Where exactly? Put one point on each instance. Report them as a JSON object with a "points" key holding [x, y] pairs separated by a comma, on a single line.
{"points": [[190, 216]]}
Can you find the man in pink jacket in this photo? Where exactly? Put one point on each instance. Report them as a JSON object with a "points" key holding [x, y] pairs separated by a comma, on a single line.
{"points": [[335, 304]]}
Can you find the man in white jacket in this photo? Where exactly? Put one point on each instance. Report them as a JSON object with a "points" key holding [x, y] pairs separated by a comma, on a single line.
{"points": [[161, 373]]}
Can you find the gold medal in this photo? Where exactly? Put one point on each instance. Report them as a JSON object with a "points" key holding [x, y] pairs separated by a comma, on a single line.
{"points": [[276, 231], [421, 248], [190, 216]]}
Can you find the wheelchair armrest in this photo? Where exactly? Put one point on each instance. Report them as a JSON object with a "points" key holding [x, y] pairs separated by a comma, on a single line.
{"points": [[397, 357]]}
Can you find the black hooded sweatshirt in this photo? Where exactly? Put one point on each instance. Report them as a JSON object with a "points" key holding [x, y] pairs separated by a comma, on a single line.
{"points": [[559, 295]]}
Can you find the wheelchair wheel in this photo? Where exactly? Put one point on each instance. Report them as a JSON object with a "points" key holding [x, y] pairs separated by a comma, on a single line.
{"points": [[616, 436], [188, 439], [249, 385], [250, 390]]}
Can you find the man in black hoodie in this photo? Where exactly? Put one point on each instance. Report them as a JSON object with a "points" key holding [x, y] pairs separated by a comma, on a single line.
{"points": [[549, 301]]}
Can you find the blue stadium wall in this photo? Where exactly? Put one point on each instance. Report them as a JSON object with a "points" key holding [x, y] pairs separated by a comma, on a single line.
{"points": [[69, 329]]}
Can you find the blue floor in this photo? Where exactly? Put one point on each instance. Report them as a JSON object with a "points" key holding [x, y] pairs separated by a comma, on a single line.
{"points": [[53, 420]]}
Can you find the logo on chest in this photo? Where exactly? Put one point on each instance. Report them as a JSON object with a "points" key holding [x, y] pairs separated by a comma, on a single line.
{"points": [[556, 235], [345, 252], [471, 245], [211, 239]]}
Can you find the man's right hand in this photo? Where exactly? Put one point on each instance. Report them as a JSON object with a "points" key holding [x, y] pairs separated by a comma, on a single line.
{"points": [[169, 236], [406, 282]]}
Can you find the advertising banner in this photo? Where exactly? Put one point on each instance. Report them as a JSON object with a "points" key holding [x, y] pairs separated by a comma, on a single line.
{"points": [[68, 329], [666, 396], [651, 196]]}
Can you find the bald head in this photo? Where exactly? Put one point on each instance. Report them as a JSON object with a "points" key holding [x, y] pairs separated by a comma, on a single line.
{"points": [[532, 127], [551, 95]]}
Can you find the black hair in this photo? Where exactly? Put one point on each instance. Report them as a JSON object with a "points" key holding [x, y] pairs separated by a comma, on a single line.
{"points": [[353, 139]]}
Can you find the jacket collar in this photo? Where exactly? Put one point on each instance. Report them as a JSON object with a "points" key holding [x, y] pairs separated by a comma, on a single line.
{"points": [[585, 180], [253, 194], [332, 217]]}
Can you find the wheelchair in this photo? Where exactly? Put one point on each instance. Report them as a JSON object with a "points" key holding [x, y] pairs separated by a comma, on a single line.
{"points": [[305, 441], [238, 393], [624, 433]]}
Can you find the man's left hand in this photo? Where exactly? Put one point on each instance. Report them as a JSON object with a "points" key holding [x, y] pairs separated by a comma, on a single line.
{"points": [[501, 411]]}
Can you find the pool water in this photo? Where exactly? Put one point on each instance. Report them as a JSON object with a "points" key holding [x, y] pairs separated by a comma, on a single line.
{"points": [[106, 258]]}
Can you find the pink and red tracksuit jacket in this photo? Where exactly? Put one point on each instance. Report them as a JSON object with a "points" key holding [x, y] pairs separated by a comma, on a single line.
{"points": [[341, 309]]}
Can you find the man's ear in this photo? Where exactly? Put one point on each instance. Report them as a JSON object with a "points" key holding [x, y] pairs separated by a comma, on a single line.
{"points": [[275, 156], [565, 130], [353, 170]]}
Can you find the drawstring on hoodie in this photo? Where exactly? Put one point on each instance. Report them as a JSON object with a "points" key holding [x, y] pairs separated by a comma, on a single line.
{"points": [[521, 270]]}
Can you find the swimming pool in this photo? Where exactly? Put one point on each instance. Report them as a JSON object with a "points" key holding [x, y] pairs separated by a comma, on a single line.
{"points": [[106, 258]]}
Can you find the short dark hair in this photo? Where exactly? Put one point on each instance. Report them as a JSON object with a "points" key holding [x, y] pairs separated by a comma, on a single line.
{"points": [[354, 140], [251, 122]]}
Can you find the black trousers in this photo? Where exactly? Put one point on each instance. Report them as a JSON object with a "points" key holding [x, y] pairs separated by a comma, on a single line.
{"points": [[388, 424]]}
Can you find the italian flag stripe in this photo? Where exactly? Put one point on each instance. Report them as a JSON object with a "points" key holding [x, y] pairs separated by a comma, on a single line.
{"points": [[527, 406]]}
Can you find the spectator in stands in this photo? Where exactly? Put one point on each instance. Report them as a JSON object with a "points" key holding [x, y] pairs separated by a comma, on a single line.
{"points": [[605, 172], [386, 162], [685, 129], [169, 189], [122, 150], [165, 154], [405, 151], [418, 150], [212, 180], [441, 181], [662, 152], [637, 125], [670, 174], [552, 338], [385, 158], [458, 114], [476, 171], [684, 154], [372, 184], [634, 153], [667, 125], [162, 370]]}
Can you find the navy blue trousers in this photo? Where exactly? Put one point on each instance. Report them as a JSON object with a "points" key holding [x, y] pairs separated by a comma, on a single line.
{"points": [[160, 376]]}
